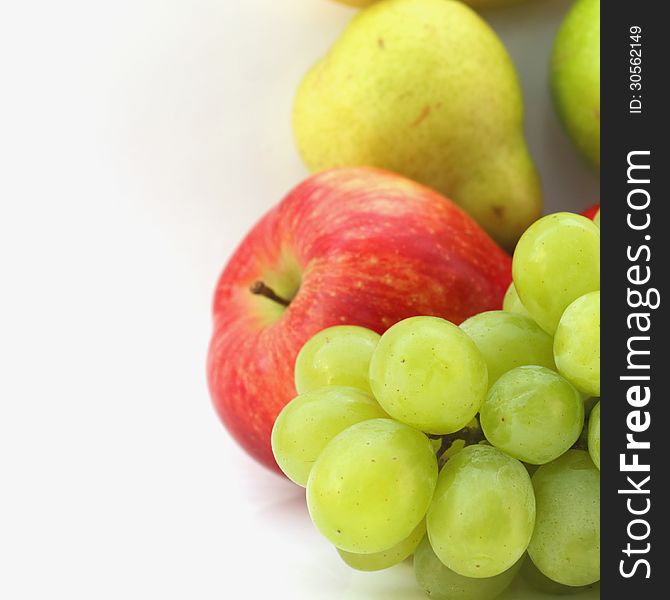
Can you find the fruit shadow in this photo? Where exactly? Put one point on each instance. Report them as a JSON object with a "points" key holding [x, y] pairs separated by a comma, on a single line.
{"points": [[397, 583], [290, 505]]}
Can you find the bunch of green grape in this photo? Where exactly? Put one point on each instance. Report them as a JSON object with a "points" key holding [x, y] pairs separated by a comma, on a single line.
{"points": [[475, 448]]}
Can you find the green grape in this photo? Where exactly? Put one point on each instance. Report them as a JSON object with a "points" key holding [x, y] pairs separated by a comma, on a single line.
{"points": [[337, 355], [540, 582], [519, 589], [436, 443], [577, 344], [455, 447], [531, 468], [596, 219], [441, 583], [372, 485], [482, 514], [566, 542], [309, 421], [594, 435], [556, 261], [512, 303], [507, 340], [386, 558], [427, 373], [533, 414], [589, 404]]}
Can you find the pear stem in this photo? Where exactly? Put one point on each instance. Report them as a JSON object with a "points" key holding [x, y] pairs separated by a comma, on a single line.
{"points": [[261, 289]]}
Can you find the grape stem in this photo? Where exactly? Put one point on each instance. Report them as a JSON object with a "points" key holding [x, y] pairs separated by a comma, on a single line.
{"points": [[470, 435], [474, 435], [261, 289], [580, 444]]}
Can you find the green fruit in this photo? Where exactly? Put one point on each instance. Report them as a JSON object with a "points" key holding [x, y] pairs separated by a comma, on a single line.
{"points": [[441, 583], [385, 559], [309, 421], [575, 77], [532, 414], [426, 372], [556, 261], [541, 583], [512, 303], [338, 355], [508, 340], [357, 3], [594, 435], [482, 514], [577, 344], [566, 541], [492, 3], [425, 88], [372, 485], [473, 3]]}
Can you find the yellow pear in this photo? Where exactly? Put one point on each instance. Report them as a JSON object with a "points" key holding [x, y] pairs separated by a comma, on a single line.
{"points": [[425, 88]]}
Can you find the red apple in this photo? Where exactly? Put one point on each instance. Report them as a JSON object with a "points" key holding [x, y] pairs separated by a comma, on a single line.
{"points": [[358, 246], [591, 211]]}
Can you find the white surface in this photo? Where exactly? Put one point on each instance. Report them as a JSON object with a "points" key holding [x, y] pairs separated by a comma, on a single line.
{"points": [[139, 139]]}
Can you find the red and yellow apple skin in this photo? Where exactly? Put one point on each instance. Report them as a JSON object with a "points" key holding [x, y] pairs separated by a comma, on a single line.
{"points": [[591, 211], [356, 246]]}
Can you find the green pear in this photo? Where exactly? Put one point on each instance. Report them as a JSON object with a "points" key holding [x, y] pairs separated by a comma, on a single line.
{"points": [[575, 77], [425, 88]]}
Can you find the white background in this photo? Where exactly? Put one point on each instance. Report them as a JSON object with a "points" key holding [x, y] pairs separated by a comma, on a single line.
{"points": [[139, 140]]}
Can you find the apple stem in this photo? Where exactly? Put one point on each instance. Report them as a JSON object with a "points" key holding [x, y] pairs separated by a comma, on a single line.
{"points": [[261, 289]]}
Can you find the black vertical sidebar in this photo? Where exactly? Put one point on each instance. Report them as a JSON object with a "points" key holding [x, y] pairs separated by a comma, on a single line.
{"points": [[635, 166]]}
